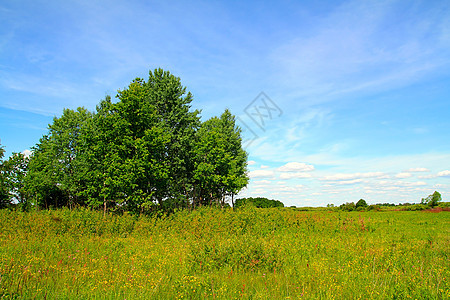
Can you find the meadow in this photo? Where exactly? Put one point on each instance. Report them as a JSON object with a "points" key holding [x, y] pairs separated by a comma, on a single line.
{"points": [[209, 253]]}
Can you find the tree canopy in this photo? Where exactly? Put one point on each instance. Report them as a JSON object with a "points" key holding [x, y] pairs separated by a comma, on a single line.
{"points": [[432, 200], [143, 151], [361, 203]]}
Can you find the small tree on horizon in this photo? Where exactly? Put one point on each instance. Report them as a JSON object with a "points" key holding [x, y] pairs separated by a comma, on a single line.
{"points": [[432, 200], [361, 203]]}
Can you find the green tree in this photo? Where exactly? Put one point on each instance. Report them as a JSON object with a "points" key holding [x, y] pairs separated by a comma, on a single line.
{"points": [[432, 200], [104, 187], [16, 167], [140, 144], [56, 168], [173, 112], [220, 162], [40, 182], [361, 203]]}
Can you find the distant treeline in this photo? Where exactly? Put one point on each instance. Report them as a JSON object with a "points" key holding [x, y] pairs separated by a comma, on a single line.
{"points": [[144, 151], [428, 202], [258, 202]]}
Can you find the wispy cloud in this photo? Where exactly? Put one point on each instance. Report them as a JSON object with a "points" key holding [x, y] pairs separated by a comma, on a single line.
{"points": [[291, 175], [403, 175], [261, 173], [351, 176], [417, 170], [445, 173], [352, 51], [296, 167]]}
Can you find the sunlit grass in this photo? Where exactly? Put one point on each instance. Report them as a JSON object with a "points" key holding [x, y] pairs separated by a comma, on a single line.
{"points": [[225, 254]]}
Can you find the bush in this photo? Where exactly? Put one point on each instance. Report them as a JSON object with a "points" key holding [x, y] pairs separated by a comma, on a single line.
{"points": [[260, 202], [348, 206], [373, 207], [444, 204]]}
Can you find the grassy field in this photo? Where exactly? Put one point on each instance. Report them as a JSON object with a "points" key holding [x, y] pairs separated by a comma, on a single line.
{"points": [[224, 254]]}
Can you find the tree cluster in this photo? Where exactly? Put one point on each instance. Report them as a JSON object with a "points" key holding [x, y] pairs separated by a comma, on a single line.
{"points": [[258, 202], [351, 206], [146, 150]]}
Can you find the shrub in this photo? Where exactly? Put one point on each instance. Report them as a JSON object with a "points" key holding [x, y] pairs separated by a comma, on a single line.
{"points": [[260, 202], [348, 206], [373, 207], [444, 204]]}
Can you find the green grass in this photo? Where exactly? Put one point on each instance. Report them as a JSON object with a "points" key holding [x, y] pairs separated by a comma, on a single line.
{"points": [[224, 254]]}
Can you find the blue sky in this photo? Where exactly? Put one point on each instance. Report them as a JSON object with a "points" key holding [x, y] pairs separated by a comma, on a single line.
{"points": [[359, 90]]}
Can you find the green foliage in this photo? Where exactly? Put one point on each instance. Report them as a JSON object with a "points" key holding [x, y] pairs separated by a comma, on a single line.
{"points": [[414, 207], [444, 204], [219, 160], [374, 207], [385, 204], [361, 203], [16, 167], [146, 151], [432, 200], [211, 253], [348, 206], [57, 168], [260, 202]]}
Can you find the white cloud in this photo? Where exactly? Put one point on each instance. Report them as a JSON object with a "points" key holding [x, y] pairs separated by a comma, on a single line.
{"points": [[403, 175], [261, 173], [27, 153], [264, 167], [445, 173], [417, 170], [287, 189], [291, 175], [417, 183], [345, 182], [296, 167], [387, 184], [351, 176], [263, 182], [251, 162]]}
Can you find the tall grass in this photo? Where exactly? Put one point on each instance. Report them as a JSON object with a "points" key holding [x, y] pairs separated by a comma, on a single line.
{"points": [[224, 254]]}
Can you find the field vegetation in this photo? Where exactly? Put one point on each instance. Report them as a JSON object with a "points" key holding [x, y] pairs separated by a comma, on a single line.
{"points": [[212, 253]]}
